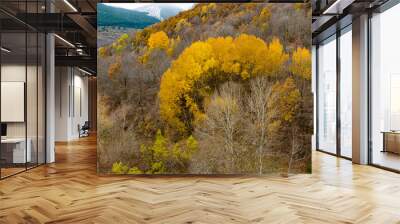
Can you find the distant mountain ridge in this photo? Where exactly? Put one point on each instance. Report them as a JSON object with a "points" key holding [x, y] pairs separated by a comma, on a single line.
{"points": [[113, 16], [161, 11], [138, 18]]}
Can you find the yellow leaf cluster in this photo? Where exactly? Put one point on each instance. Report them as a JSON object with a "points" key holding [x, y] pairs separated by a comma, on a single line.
{"points": [[119, 168], [178, 82], [160, 157], [185, 154], [158, 40], [262, 20], [265, 14], [258, 58], [104, 52], [286, 101], [182, 23], [123, 39], [301, 63], [120, 44], [140, 38], [206, 64]]}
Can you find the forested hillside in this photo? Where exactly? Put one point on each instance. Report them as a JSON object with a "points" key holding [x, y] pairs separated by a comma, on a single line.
{"points": [[111, 16], [217, 89]]}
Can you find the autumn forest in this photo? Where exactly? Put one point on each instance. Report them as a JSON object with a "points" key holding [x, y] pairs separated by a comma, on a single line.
{"points": [[214, 89]]}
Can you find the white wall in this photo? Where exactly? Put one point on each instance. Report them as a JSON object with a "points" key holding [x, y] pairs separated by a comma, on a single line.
{"points": [[71, 94], [62, 81], [80, 110]]}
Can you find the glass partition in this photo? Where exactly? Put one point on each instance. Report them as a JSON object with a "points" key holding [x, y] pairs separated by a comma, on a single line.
{"points": [[31, 100], [22, 88], [41, 96], [327, 95], [346, 92], [385, 89], [13, 105]]}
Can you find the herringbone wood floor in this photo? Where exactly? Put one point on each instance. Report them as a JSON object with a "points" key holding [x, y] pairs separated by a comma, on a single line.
{"points": [[70, 191]]}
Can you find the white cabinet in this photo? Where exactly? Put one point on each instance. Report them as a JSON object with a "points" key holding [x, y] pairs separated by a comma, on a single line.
{"points": [[19, 155]]}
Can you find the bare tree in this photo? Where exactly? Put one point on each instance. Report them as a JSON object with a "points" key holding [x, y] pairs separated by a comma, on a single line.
{"points": [[297, 151], [223, 123], [260, 92]]}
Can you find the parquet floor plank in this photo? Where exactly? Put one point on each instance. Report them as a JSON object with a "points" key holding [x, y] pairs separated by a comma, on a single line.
{"points": [[70, 191]]}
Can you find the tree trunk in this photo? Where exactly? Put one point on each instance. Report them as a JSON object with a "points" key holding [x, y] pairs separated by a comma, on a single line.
{"points": [[292, 152], [260, 151]]}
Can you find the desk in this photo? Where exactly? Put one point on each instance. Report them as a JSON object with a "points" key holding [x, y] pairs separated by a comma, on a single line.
{"points": [[15, 148], [391, 141]]}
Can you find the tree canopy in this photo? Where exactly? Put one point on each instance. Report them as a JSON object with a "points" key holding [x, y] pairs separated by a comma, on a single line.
{"points": [[301, 63], [158, 40], [204, 65]]}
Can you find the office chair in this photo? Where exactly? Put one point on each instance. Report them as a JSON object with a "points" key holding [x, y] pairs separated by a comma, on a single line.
{"points": [[84, 130]]}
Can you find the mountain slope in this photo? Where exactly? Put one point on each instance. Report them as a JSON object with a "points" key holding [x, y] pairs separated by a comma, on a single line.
{"points": [[113, 16]]}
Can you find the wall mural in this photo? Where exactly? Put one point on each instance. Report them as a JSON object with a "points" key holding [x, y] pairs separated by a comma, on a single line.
{"points": [[212, 88]]}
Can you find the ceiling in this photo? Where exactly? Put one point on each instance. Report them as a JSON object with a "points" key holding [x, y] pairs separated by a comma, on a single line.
{"points": [[74, 22], [332, 15]]}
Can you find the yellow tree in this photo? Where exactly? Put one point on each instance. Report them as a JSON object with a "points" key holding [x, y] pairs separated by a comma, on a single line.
{"points": [[158, 40], [285, 105], [225, 54], [276, 58], [205, 65], [177, 104], [161, 157], [301, 63], [252, 52], [286, 99]]}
